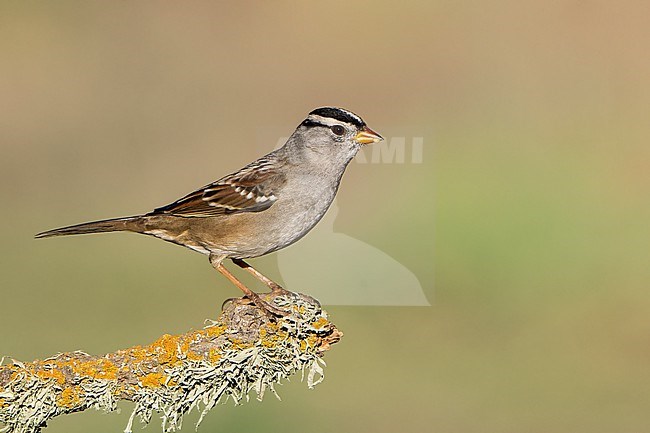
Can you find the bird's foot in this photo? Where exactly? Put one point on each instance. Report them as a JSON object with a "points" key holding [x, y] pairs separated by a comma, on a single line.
{"points": [[277, 289], [271, 311]]}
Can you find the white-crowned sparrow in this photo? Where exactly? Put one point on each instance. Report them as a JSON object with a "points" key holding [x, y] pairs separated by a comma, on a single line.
{"points": [[265, 206]]}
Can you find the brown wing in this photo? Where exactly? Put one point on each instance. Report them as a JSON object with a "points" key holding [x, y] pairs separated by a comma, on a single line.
{"points": [[252, 189]]}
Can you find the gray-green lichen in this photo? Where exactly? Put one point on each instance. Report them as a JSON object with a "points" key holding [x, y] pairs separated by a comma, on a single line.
{"points": [[243, 351]]}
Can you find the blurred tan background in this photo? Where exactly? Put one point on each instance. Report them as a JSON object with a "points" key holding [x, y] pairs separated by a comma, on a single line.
{"points": [[527, 223]]}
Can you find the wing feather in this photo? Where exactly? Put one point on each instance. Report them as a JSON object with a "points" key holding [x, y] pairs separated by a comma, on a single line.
{"points": [[252, 189]]}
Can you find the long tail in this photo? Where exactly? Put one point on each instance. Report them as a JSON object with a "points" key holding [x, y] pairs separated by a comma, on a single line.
{"points": [[111, 225]]}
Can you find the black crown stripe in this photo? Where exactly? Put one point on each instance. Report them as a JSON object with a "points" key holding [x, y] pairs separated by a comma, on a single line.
{"points": [[340, 115]]}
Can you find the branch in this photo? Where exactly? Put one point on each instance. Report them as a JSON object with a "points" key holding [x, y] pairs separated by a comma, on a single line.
{"points": [[240, 352]]}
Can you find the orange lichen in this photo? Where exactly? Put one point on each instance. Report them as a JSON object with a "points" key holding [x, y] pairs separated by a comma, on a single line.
{"points": [[185, 344], [318, 324], [3, 403], [101, 368], [54, 374], [214, 356], [122, 389], [193, 356], [313, 341], [137, 353], [266, 338], [166, 349], [215, 331], [70, 397], [270, 335], [153, 380], [238, 344]]}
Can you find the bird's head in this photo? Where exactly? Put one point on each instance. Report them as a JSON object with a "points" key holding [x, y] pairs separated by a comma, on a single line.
{"points": [[333, 133]]}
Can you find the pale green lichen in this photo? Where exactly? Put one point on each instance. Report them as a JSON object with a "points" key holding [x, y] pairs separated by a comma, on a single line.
{"points": [[241, 352]]}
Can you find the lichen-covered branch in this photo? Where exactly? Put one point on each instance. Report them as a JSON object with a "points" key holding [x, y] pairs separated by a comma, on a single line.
{"points": [[242, 351]]}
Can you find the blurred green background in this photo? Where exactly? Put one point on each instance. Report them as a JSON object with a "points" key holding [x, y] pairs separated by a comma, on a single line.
{"points": [[527, 222]]}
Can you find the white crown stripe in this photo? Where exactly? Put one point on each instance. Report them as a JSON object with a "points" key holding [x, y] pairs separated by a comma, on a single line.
{"points": [[327, 121], [351, 114]]}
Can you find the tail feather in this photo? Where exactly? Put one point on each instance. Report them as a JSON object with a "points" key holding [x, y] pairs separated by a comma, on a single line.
{"points": [[110, 225]]}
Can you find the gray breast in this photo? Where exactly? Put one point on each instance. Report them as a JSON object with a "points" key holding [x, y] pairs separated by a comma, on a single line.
{"points": [[298, 210]]}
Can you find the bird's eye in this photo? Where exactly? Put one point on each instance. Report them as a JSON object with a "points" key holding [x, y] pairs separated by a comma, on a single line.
{"points": [[338, 129]]}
